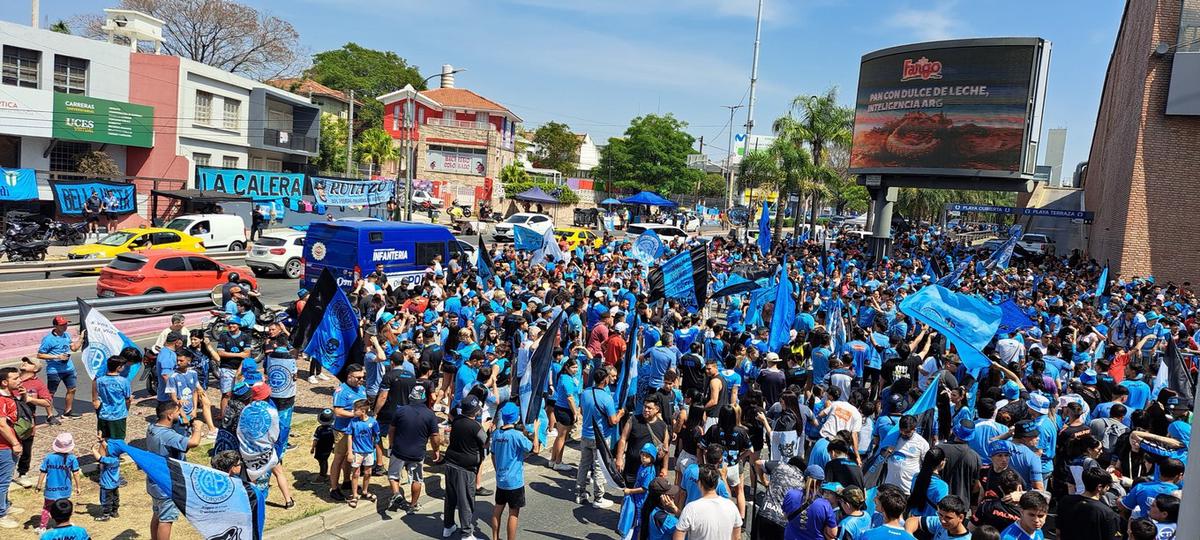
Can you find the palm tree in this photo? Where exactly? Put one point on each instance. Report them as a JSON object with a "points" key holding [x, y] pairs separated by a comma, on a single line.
{"points": [[796, 170], [376, 146], [821, 123]]}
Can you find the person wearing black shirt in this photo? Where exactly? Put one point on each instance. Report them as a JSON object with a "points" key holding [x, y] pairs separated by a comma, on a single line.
{"points": [[395, 388], [841, 468], [961, 471], [409, 432], [233, 347], [992, 508], [1084, 516], [691, 369], [464, 454]]}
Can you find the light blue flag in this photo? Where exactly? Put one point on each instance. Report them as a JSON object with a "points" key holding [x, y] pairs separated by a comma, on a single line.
{"points": [[647, 247], [837, 329], [483, 263], [338, 330], [951, 280], [1102, 283], [784, 315], [928, 399], [1000, 258], [758, 299], [764, 229], [216, 504], [526, 239], [969, 322]]}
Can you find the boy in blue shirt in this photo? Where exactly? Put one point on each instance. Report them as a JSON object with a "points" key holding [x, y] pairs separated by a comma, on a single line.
{"points": [[1034, 508], [364, 432], [183, 386], [112, 397], [61, 510], [110, 480], [510, 445], [60, 474]]}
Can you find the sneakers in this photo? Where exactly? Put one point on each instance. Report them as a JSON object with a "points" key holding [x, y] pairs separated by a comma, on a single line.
{"points": [[71, 414], [38, 531], [212, 435], [447, 531], [602, 503], [54, 420], [337, 495], [378, 470], [103, 517], [323, 377], [413, 508], [561, 467], [397, 502], [484, 492], [552, 434], [24, 481], [313, 380]]}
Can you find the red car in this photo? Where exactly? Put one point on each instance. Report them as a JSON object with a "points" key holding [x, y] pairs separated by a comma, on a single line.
{"points": [[165, 271]]}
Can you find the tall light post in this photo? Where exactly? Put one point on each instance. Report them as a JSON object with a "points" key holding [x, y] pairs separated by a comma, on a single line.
{"points": [[729, 160], [410, 149]]}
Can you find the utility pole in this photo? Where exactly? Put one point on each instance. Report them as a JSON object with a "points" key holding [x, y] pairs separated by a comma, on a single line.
{"points": [[350, 136], [753, 74], [410, 156], [729, 159], [35, 8]]}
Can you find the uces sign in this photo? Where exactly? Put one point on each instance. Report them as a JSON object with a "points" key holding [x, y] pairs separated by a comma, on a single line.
{"points": [[81, 118]]}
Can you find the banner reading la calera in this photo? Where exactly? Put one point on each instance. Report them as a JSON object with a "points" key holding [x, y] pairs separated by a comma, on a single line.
{"points": [[256, 184], [334, 192]]}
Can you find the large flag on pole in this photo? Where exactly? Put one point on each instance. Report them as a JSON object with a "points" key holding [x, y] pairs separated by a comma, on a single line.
{"points": [[647, 247], [536, 377], [837, 328], [526, 239], [218, 505], [334, 336], [1102, 284], [1012, 318], [608, 467], [928, 399], [103, 341], [627, 377], [1173, 374], [764, 229], [784, 314], [549, 250], [1000, 258], [483, 263], [969, 322], [683, 278]]}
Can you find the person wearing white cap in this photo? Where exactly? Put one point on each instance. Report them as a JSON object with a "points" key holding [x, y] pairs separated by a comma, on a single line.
{"points": [[1039, 406]]}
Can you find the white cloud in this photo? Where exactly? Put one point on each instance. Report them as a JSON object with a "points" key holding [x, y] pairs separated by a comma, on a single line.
{"points": [[927, 24]]}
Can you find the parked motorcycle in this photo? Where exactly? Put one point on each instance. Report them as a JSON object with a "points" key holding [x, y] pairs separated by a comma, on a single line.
{"points": [[68, 233], [33, 249], [466, 209]]}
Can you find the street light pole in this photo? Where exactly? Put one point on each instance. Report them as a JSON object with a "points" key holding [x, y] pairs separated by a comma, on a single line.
{"points": [[729, 160], [410, 145], [350, 136]]}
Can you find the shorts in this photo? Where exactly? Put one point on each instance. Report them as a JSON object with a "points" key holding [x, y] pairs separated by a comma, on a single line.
{"points": [[110, 215], [449, 368], [362, 460], [227, 378], [165, 510], [513, 498], [111, 429], [415, 474], [685, 458], [733, 475], [564, 416], [91, 217], [65, 377], [341, 443]]}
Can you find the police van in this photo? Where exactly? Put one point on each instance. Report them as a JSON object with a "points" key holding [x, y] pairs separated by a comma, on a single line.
{"points": [[350, 248]]}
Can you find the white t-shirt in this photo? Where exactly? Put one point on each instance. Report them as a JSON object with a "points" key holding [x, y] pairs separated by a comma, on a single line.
{"points": [[1009, 350], [905, 462], [709, 518], [842, 415]]}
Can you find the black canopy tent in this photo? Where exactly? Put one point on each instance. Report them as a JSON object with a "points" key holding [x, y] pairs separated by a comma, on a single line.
{"points": [[199, 201]]}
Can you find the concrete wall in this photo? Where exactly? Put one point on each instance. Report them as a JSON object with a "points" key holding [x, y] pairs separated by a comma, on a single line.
{"points": [[1141, 177]]}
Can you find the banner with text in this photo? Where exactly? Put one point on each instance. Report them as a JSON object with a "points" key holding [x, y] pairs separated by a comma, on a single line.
{"points": [[18, 185], [256, 184], [82, 118], [70, 195], [333, 192], [457, 160]]}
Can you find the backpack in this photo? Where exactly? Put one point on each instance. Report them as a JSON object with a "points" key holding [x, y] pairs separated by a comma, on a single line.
{"points": [[23, 426]]}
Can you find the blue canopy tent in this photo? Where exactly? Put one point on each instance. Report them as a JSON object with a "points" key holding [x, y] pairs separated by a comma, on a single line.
{"points": [[649, 198], [536, 195]]}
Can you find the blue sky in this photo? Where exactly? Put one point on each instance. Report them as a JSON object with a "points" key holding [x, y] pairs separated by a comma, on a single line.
{"points": [[596, 64]]}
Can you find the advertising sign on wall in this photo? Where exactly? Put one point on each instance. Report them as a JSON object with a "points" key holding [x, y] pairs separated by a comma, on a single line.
{"points": [[457, 161], [70, 195], [333, 192], [82, 118], [257, 184], [951, 108]]}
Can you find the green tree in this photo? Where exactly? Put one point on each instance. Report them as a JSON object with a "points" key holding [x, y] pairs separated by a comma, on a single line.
{"points": [[821, 123], [651, 156], [331, 156], [97, 164], [513, 173], [796, 169], [844, 191], [369, 73], [61, 27], [375, 146], [557, 148], [712, 185]]}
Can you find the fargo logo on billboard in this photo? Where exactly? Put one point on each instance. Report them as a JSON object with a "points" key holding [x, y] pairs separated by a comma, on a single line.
{"points": [[923, 68]]}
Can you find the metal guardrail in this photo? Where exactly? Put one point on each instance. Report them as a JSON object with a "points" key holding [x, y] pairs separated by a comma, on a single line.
{"points": [[85, 265], [42, 311], [974, 236]]}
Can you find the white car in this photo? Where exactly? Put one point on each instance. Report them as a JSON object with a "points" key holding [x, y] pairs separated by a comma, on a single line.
{"points": [[219, 232], [1036, 243], [690, 222], [503, 231], [666, 232], [421, 197], [279, 250]]}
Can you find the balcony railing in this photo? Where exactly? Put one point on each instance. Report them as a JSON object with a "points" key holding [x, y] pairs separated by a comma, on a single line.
{"points": [[289, 140], [461, 124]]}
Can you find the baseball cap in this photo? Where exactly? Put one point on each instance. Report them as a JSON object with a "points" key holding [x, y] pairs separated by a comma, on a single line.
{"points": [[1011, 390], [31, 364], [964, 429], [417, 394], [832, 487], [1038, 403], [173, 337], [1176, 402], [470, 406], [999, 447], [772, 358], [1088, 377], [622, 326], [260, 391], [1025, 428], [815, 471], [854, 496], [59, 320]]}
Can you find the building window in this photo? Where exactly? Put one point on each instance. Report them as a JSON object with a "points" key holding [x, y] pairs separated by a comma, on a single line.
{"points": [[70, 74], [274, 165], [64, 154], [396, 117], [229, 162], [201, 160], [233, 109], [21, 66], [1189, 27], [203, 107]]}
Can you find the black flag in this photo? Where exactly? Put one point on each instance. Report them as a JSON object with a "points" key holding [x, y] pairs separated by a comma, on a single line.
{"points": [[683, 278], [1177, 374], [607, 465], [539, 369], [314, 311]]}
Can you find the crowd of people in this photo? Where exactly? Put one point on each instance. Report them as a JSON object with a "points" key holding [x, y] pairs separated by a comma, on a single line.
{"points": [[854, 422]]}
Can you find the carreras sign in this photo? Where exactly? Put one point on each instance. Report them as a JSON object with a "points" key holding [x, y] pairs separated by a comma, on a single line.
{"points": [[83, 118]]}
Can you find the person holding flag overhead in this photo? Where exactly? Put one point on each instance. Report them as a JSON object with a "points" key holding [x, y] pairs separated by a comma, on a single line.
{"points": [[162, 440]]}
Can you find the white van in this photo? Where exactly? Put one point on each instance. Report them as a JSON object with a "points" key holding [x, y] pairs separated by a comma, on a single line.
{"points": [[219, 232]]}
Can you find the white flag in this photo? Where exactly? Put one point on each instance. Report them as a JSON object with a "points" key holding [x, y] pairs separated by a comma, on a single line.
{"points": [[549, 250], [103, 339]]}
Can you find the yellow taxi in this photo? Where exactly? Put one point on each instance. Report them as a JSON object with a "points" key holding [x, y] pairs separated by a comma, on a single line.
{"points": [[578, 236], [126, 240]]}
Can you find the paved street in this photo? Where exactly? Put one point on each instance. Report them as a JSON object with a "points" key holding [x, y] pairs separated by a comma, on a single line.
{"points": [[550, 510]]}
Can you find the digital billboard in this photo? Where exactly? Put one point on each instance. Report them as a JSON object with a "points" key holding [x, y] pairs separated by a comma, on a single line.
{"points": [[951, 108]]}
